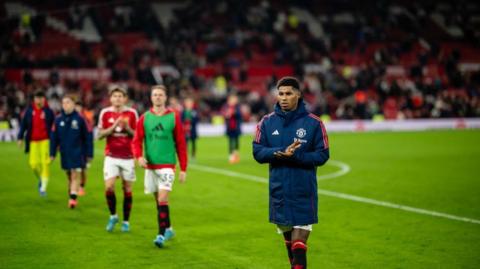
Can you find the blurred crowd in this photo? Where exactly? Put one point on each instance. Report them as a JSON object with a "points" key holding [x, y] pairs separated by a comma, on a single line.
{"points": [[211, 33]]}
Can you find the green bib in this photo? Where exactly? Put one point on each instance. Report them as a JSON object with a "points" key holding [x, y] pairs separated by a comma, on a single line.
{"points": [[159, 138]]}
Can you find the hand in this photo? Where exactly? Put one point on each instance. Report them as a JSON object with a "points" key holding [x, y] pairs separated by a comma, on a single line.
{"points": [[127, 126], [117, 122], [142, 162], [52, 158], [293, 147], [19, 143], [182, 176], [289, 151]]}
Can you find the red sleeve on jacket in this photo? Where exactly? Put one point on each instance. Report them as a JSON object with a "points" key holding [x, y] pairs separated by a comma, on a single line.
{"points": [[180, 143], [137, 142]]}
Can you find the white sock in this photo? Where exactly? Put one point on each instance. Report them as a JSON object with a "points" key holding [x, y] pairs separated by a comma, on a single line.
{"points": [[43, 186]]}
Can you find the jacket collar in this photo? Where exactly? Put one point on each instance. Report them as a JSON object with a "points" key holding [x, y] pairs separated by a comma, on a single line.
{"points": [[290, 116], [69, 115]]}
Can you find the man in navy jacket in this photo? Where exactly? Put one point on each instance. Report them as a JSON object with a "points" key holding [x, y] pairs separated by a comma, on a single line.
{"points": [[294, 142], [71, 135]]}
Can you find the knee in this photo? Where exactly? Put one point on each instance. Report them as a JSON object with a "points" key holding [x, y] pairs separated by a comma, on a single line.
{"points": [[127, 188], [161, 199], [33, 165], [109, 188]]}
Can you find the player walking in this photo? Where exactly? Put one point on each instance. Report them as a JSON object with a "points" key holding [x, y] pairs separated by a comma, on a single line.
{"points": [[35, 129], [160, 131], [71, 135], [117, 123]]}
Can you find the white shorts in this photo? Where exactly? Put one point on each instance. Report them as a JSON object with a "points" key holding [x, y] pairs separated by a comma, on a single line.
{"points": [[114, 167], [282, 228], [159, 179]]}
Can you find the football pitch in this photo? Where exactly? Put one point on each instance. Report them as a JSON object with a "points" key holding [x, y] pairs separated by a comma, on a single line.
{"points": [[386, 200]]}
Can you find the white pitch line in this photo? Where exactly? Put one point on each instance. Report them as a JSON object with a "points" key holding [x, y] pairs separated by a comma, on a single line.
{"points": [[340, 195], [344, 169]]}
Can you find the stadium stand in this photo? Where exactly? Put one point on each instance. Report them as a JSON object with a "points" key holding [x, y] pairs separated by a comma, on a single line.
{"points": [[394, 59]]}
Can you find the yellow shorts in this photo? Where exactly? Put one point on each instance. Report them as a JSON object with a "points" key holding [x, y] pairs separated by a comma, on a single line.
{"points": [[39, 154]]}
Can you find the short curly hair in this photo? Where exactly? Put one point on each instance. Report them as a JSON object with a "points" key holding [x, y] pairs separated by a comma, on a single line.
{"points": [[289, 81]]}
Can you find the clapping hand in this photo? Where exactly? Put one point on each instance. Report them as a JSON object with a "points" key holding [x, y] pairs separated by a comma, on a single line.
{"points": [[289, 151]]}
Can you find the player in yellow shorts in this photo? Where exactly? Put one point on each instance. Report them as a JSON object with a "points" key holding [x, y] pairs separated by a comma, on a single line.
{"points": [[35, 129]]}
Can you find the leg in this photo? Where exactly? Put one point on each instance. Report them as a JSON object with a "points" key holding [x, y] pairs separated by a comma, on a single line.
{"points": [[161, 198], [34, 160], [111, 203], [44, 165], [110, 195], [194, 147], [69, 181], [74, 181], [83, 181], [236, 143], [127, 199], [230, 145], [236, 156], [231, 149], [299, 248], [163, 217], [287, 236], [111, 172], [159, 182]]}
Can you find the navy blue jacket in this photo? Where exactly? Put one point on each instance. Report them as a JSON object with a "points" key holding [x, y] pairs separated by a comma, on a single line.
{"points": [[25, 131], [71, 135], [292, 182]]}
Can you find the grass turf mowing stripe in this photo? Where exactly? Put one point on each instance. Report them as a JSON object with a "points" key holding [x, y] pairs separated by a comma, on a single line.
{"points": [[340, 195]]}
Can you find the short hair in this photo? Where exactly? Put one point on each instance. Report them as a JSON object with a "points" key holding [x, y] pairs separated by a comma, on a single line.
{"points": [[117, 88], [71, 97], [158, 87], [39, 93], [289, 81]]}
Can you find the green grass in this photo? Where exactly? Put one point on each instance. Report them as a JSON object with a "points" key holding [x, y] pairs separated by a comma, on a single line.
{"points": [[222, 222]]}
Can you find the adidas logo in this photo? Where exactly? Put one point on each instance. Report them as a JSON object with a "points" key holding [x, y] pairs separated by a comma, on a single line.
{"points": [[276, 132], [158, 127]]}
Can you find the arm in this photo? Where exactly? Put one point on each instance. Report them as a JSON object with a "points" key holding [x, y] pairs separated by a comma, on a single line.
{"points": [[54, 140], [102, 133], [180, 143], [261, 152], [321, 152], [23, 126]]}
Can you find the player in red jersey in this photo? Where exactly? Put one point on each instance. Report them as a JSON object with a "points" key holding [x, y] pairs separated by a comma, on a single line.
{"points": [[117, 123]]}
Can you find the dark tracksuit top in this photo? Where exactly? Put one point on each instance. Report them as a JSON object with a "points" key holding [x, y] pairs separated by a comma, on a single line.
{"points": [[26, 124], [71, 135], [293, 182]]}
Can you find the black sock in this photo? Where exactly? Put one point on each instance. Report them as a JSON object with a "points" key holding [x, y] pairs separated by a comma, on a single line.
{"points": [[127, 205], [163, 217], [111, 201], [288, 243], [73, 196], [299, 250]]}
